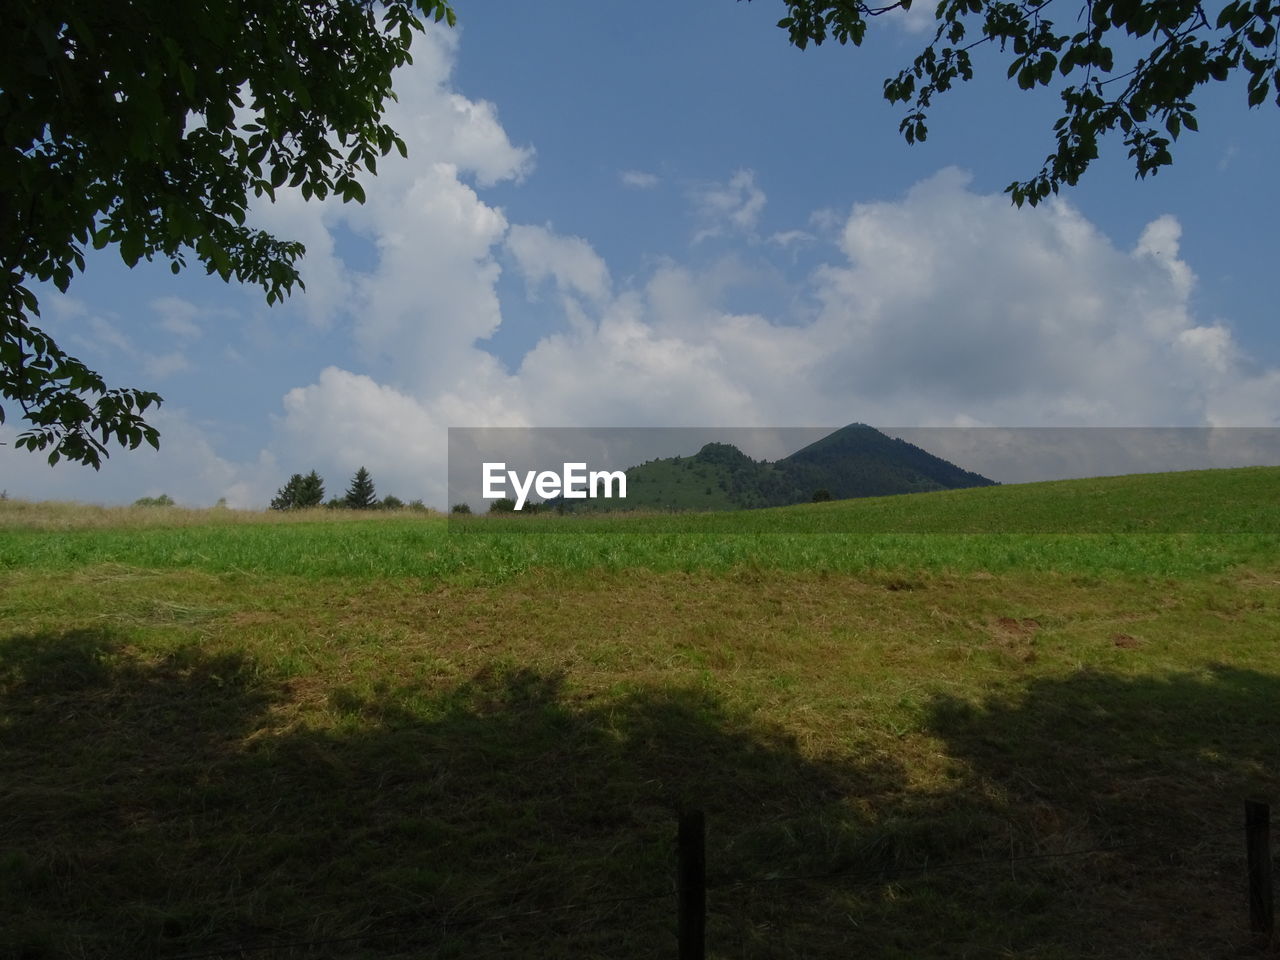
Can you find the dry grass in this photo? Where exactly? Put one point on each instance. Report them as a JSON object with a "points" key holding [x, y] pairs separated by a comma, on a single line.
{"points": [[54, 515]]}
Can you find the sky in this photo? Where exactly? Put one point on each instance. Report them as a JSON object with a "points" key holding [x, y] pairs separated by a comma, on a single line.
{"points": [[664, 215]]}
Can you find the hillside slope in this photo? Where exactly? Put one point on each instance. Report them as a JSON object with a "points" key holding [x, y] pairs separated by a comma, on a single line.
{"points": [[854, 461]]}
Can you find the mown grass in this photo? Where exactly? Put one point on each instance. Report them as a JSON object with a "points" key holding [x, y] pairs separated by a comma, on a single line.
{"points": [[216, 734], [1212, 521], [1196, 501]]}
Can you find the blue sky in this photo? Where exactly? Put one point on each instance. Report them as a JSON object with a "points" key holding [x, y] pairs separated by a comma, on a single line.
{"points": [[662, 214]]}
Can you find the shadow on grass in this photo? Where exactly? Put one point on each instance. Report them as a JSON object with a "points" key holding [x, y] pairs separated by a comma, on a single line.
{"points": [[173, 805]]}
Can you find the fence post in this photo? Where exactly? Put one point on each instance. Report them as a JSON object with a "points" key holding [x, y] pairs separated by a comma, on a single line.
{"points": [[1257, 832], [691, 885]]}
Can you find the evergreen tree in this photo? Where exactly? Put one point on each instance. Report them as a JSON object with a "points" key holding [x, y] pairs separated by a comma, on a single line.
{"points": [[287, 495], [300, 492], [360, 495], [311, 493]]}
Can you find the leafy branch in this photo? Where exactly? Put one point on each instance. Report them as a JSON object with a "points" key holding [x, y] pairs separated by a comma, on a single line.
{"points": [[1179, 49], [152, 126]]}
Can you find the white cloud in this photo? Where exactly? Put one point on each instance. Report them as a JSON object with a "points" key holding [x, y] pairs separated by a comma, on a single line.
{"points": [[346, 420], [177, 316], [542, 254], [943, 306], [439, 125], [919, 19], [164, 365], [104, 334], [790, 238], [186, 467], [78, 327], [638, 179], [432, 233], [727, 208], [364, 424], [327, 281]]}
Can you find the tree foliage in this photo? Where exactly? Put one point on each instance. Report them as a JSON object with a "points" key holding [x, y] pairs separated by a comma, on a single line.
{"points": [[152, 126], [300, 492], [1167, 50], [164, 500], [360, 495]]}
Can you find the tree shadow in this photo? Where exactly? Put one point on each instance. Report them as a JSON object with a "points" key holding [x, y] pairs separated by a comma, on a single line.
{"points": [[165, 805], [1153, 770]]}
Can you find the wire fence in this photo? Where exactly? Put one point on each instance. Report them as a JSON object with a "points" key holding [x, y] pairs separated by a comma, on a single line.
{"points": [[689, 890]]}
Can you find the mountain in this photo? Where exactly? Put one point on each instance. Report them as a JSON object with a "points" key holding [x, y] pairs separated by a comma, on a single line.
{"points": [[860, 461], [855, 461]]}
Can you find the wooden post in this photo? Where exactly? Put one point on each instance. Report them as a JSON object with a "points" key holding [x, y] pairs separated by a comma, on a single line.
{"points": [[691, 885], [1257, 831]]}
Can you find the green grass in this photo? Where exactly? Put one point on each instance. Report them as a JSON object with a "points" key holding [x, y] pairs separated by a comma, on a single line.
{"points": [[219, 728], [1196, 501], [1218, 519]]}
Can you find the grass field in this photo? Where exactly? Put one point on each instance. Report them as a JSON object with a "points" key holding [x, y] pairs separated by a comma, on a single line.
{"points": [[223, 728]]}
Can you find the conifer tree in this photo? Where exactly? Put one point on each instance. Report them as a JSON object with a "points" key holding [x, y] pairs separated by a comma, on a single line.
{"points": [[287, 495], [360, 495], [311, 493], [300, 492]]}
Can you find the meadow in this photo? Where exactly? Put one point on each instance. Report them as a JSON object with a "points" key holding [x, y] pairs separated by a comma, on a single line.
{"points": [[225, 729]]}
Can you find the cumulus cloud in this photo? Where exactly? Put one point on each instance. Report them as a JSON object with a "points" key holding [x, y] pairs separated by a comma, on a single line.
{"points": [[943, 306], [368, 425], [575, 267], [953, 303], [431, 232]]}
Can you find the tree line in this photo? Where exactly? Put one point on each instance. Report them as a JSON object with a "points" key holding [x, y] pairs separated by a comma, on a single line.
{"points": [[301, 492]]}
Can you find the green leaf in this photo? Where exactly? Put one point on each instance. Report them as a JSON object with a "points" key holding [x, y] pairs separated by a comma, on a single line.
{"points": [[187, 79], [131, 247]]}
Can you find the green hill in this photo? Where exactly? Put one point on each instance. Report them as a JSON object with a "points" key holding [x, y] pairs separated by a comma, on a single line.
{"points": [[860, 461], [855, 461]]}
